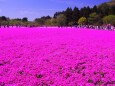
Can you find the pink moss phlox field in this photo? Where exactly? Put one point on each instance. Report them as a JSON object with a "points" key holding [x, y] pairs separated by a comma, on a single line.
{"points": [[57, 57]]}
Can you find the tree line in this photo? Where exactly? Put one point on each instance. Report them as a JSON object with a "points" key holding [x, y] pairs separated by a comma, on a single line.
{"points": [[96, 15]]}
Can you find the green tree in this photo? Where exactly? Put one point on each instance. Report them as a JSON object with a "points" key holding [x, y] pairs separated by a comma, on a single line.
{"points": [[112, 10], [25, 19], [93, 18], [58, 13], [76, 14], [53, 22], [94, 9], [15, 22], [48, 22], [39, 21], [103, 9], [4, 20], [61, 20], [85, 11], [68, 13], [82, 21], [110, 19]]}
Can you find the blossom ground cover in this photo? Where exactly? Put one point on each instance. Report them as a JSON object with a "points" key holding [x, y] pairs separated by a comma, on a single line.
{"points": [[57, 57]]}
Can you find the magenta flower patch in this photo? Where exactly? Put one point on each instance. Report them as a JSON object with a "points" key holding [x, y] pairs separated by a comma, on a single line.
{"points": [[57, 57]]}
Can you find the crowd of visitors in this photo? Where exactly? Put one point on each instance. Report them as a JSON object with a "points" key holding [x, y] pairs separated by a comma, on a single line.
{"points": [[103, 27]]}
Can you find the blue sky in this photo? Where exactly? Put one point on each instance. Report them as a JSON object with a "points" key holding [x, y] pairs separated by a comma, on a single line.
{"points": [[37, 8]]}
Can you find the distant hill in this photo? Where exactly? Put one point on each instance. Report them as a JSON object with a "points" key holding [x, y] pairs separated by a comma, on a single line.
{"points": [[111, 3]]}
